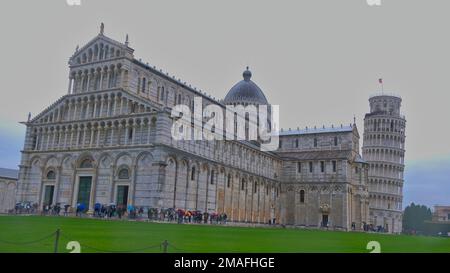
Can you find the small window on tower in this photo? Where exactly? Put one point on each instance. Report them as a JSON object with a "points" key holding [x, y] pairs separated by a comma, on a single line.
{"points": [[193, 173], [212, 178], [302, 196], [315, 142]]}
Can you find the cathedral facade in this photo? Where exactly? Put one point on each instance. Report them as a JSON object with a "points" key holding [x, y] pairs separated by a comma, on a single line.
{"points": [[108, 140]]}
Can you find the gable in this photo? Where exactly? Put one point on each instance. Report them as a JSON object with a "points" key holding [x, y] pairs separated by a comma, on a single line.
{"points": [[98, 49]]}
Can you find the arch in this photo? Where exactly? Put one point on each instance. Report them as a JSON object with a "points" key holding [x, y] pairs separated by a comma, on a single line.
{"points": [[302, 196], [51, 174], [144, 157], [66, 162], [123, 158], [85, 158], [123, 172], [86, 164], [51, 161]]}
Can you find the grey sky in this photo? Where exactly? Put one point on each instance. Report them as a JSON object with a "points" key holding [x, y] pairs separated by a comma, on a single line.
{"points": [[319, 60]]}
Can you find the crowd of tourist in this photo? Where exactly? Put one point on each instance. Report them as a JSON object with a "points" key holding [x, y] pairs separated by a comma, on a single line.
{"points": [[143, 213], [129, 212]]}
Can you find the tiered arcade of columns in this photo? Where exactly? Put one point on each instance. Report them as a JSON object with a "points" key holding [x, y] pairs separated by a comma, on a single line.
{"points": [[384, 150]]}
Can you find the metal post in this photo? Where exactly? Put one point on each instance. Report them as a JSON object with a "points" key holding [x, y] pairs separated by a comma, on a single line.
{"points": [[57, 240], [165, 244]]}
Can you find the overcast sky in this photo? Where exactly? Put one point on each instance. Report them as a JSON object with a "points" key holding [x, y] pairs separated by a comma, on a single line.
{"points": [[320, 60]]}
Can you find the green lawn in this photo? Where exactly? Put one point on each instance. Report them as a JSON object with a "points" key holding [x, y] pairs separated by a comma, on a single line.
{"points": [[96, 235]]}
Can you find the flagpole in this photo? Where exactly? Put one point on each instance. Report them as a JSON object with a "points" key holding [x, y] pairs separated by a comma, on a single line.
{"points": [[380, 81]]}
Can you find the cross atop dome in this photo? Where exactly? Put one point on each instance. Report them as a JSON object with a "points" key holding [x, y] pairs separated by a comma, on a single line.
{"points": [[247, 74]]}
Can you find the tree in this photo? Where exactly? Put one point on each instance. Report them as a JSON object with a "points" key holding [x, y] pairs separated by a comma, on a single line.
{"points": [[414, 218]]}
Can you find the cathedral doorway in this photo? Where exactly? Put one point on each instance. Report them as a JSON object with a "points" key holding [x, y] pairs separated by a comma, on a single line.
{"points": [[122, 195], [324, 220], [84, 190], [48, 195]]}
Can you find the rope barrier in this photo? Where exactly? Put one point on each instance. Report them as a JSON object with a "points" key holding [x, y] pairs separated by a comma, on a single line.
{"points": [[68, 237], [28, 243], [177, 249]]}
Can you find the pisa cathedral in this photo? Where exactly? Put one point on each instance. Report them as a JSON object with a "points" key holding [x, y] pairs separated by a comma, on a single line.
{"points": [[108, 140]]}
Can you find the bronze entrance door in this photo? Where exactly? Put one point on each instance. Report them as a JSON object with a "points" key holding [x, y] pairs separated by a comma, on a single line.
{"points": [[48, 195], [84, 191], [122, 196]]}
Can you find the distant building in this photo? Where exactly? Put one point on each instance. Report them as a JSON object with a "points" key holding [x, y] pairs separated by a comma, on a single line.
{"points": [[441, 213], [8, 183]]}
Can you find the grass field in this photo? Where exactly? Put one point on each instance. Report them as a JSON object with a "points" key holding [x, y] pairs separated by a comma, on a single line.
{"points": [[18, 232]]}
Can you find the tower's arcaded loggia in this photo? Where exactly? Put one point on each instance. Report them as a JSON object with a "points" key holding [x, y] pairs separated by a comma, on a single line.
{"points": [[384, 150]]}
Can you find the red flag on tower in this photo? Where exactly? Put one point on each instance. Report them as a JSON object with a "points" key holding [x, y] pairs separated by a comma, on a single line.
{"points": [[380, 80]]}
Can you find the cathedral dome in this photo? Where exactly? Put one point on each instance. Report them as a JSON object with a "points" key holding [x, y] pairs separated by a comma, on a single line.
{"points": [[245, 92]]}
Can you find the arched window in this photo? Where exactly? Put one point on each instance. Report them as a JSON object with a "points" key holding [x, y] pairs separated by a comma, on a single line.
{"points": [[296, 143], [86, 164], [335, 141], [139, 85], [302, 196], [193, 173], [130, 133], [229, 181], [124, 173], [143, 84], [243, 184], [51, 175], [315, 142]]}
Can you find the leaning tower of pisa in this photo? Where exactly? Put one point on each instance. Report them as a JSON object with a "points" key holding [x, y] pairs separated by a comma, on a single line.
{"points": [[384, 150]]}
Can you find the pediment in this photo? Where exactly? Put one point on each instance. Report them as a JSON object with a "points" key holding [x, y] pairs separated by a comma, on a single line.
{"points": [[100, 48]]}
